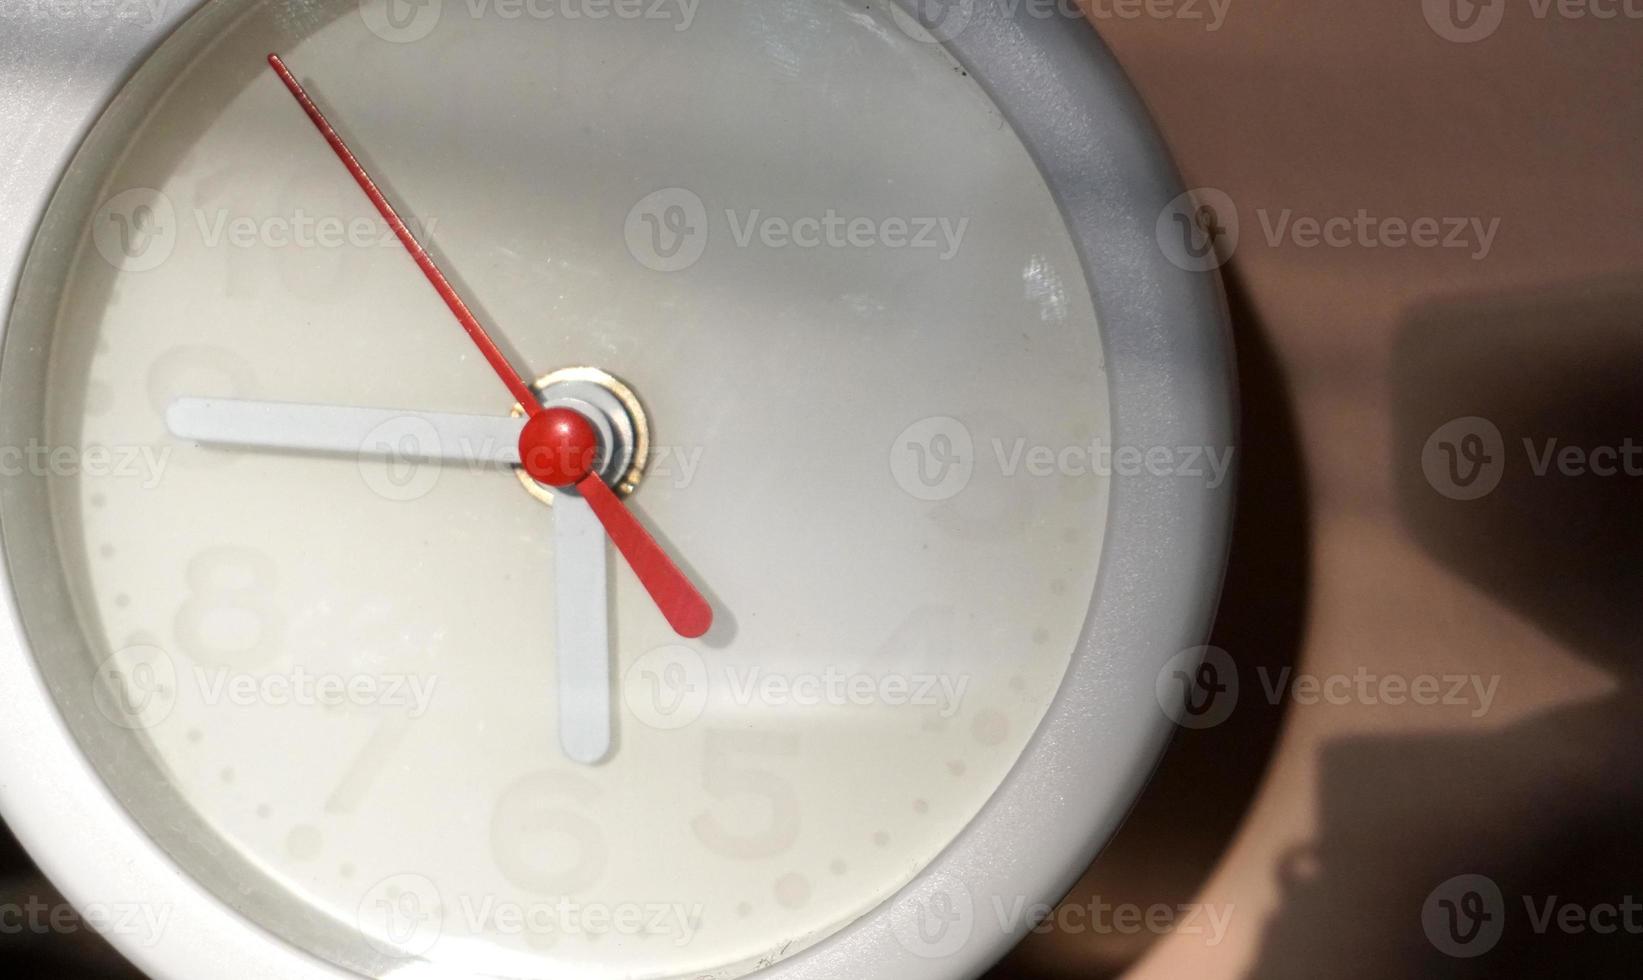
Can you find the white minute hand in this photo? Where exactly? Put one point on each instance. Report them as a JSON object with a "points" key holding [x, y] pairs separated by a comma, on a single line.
{"points": [[583, 648]]}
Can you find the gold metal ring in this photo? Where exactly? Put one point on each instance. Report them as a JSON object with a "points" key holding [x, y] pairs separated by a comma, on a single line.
{"points": [[636, 414]]}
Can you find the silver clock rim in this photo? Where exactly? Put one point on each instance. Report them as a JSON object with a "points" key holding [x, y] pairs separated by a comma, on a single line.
{"points": [[1169, 365]]}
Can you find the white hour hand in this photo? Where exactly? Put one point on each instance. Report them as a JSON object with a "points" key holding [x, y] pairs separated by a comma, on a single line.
{"points": [[427, 436]]}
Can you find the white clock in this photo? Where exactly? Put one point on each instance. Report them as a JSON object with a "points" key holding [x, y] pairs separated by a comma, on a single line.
{"points": [[331, 378]]}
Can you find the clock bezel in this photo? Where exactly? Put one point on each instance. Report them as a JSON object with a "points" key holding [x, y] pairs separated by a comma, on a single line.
{"points": [[1169, 366]]}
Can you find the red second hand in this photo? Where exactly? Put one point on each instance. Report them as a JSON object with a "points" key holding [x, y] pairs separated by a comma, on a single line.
{"points": [[499, 362], [558, 447], [686, 611], [683, 607]]}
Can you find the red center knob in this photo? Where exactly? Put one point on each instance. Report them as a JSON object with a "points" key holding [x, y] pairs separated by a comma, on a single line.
{"points": [[558, 447]]}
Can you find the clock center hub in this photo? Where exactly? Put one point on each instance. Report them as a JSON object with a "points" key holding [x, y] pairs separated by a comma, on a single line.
{"points": [[556, 446]]}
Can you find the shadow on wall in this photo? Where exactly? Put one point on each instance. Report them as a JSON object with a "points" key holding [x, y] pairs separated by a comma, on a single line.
{"points": [[1546, 811], [1201, 790]]}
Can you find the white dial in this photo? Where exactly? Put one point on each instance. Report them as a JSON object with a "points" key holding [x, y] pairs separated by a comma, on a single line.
{"points": [[396, 709]]}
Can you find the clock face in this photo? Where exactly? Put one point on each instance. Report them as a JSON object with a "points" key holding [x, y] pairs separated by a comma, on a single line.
{"points": [[853, 327]]}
